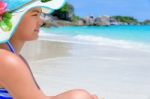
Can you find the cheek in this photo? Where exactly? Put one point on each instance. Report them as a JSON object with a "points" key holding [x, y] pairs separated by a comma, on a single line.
{"points": [[26, 29]]}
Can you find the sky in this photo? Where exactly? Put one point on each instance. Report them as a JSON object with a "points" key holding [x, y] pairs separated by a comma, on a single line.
{"points": [[139, 9]]}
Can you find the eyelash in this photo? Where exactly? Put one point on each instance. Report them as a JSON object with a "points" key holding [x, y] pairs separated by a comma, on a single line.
{"points": [[36, 14]]}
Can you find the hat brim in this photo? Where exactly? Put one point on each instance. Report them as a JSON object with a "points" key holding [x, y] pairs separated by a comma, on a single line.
{"points": [[18, 14]]}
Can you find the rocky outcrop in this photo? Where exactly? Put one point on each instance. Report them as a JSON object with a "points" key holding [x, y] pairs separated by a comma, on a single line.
{"points": [[103, 20], [146, 22], [89, 20], [54, 21]]}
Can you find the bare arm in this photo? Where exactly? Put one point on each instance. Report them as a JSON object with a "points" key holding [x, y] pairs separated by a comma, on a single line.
{"points": [[16, 77], [29, 70]]}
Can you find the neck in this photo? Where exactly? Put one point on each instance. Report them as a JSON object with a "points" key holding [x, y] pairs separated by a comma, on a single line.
{"points": [[17, 45]]}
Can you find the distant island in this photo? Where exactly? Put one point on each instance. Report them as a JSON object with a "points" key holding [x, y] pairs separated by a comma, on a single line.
{"points": [[66, 17]]}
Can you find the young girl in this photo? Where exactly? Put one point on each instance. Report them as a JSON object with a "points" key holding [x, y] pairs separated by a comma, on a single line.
{"points": [[16, 79]]}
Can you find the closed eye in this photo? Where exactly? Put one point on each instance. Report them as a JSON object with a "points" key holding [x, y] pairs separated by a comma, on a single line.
{"points": [[36, 14]]}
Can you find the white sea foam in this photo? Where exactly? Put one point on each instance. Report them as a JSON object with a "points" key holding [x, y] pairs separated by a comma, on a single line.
{"points": [[111, 42], [88, 39]]}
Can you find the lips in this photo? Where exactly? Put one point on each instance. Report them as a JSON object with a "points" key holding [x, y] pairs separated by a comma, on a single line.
{"points": [[37, 30]]}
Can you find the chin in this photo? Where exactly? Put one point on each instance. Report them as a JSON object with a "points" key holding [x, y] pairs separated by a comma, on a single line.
{"points": [[33, 38], [36, 37]]}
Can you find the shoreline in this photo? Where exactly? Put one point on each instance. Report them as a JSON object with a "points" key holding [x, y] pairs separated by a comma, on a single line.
{"points": [[109, 72], [97, 41]]}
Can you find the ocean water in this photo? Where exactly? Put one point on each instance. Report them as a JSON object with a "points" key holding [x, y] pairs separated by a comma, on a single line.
{"points": [[123, 36]]}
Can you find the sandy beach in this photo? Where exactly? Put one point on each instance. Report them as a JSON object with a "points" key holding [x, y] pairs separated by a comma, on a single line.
{"points": [[108, 71]]}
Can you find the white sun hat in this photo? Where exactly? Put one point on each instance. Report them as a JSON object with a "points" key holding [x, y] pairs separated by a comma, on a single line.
{"points": [[12, 11]]}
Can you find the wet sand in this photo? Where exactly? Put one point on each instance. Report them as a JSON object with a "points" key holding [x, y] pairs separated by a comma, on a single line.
{"points": [[110, 72]]}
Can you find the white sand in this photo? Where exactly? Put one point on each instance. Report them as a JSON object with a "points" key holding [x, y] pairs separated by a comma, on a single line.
{"points": [[110, 72]]}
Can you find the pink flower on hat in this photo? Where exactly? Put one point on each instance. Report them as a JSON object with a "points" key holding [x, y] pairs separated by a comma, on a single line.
{"points": [[5, 17], [3, 7]]}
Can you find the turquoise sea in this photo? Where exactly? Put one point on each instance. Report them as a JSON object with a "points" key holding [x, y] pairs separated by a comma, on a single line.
{"points": [[118, 35]]}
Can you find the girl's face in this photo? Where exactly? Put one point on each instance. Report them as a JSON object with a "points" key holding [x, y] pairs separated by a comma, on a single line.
{"points": [[28, 28]]}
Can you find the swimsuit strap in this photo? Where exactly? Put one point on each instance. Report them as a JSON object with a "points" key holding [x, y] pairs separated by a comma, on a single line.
{"points": [[10, 47], [4, 94]]}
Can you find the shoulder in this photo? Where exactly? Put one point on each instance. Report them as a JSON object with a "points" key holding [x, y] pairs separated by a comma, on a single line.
{"points": [[8, 59], [7, 56]]}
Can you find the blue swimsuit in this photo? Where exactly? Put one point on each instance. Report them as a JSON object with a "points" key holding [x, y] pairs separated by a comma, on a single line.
{"points": [[4, 94]]}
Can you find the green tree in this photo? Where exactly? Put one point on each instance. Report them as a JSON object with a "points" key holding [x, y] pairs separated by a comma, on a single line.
{"points": [[65, 8], [75, 18], [65, 13], [126, 19]]}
